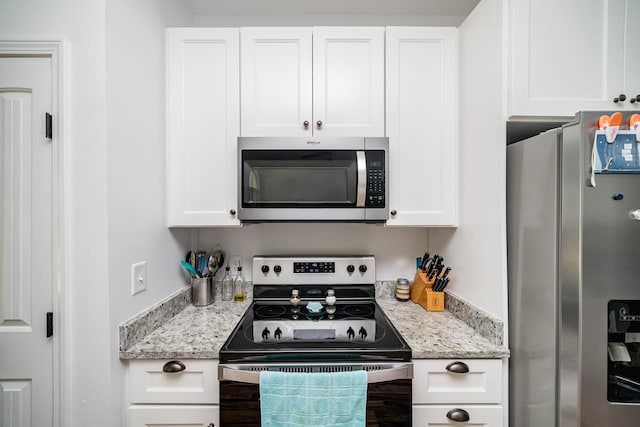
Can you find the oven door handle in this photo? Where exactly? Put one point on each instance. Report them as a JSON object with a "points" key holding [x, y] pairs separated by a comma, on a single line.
{"points": [[402, 372]]}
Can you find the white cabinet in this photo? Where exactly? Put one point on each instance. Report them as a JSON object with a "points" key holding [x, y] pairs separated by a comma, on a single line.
{"points": [[189, 396], [436, 415], [421, 108], [174, 416], [276, 84], [203, 123], [573, 55], [325, 81], [466, 392]]}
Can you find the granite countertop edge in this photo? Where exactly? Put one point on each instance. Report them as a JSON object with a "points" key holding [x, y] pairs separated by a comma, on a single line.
{"points": [[200, 332]]}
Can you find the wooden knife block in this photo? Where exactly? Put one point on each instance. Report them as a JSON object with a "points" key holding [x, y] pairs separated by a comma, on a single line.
{"points": [[420, 283], [432, 301]]}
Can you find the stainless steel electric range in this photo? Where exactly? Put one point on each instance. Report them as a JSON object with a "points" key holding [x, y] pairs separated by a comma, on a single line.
{"points": [[315, 314]]}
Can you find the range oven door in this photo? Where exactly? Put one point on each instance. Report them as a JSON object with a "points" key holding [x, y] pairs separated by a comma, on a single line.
{"points": [[389, 396], [294, 179]]}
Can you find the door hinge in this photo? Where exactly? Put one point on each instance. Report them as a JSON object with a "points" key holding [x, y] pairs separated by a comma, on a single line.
{"points": [[49, 324], [48, 127]]}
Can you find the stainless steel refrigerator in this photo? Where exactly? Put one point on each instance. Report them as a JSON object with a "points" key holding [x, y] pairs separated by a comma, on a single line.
{"points": [[573, 227]]}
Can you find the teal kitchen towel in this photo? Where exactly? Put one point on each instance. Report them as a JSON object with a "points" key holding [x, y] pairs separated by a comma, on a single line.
{"points": [[333, 399]]}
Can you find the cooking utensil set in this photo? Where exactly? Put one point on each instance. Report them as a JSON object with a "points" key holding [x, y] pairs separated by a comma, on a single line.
{"points": [[203, 264]]}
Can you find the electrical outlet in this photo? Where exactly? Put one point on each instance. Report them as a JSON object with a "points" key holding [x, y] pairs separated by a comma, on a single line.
{"points": [[138, 277]]}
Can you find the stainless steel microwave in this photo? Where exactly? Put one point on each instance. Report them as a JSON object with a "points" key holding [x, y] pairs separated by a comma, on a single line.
{"points": [[291, 179]]}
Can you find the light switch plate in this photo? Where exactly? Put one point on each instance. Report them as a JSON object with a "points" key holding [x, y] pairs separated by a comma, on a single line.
{"points": [[138, 277]]}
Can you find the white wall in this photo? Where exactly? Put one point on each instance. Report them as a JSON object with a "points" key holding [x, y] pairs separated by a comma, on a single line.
{"points": [[85, 290], [135, 52], [478, 247], [395, 249]]}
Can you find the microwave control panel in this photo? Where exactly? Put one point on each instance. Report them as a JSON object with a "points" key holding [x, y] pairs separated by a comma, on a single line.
{"points": [[375, 197]]}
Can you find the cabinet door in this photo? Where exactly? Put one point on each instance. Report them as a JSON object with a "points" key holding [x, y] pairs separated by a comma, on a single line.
{"points": [[432, 415], [572, 55], [624, 37], [202, 125], [276, 81], [348, 81], [434, 383], [421, 125], [196, 382], [174, 416]]}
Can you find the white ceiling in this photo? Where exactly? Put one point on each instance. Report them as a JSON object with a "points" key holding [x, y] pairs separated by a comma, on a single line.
{"points": [[460, 8]]}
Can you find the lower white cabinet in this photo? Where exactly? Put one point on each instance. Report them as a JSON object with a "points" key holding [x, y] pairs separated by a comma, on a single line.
{"points": [[173, 393], [174, 415], [436, 415], [464, 392]]}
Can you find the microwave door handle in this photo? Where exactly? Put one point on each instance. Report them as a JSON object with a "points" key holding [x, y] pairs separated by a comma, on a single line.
{"points": [[361, 194]]}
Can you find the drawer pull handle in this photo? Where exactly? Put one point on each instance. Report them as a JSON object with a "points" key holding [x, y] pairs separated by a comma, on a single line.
{"points": [[458, 367], [457, 414], [173, 366]]}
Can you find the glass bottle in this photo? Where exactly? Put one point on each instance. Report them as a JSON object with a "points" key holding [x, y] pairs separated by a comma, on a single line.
{"points": [[227, 285], [238, 286]]}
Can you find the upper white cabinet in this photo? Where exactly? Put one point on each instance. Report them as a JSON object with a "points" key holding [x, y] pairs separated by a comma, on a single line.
{"points": [[572, 55], [276, 84], [321, 81], [421, 107], [203, 123]]}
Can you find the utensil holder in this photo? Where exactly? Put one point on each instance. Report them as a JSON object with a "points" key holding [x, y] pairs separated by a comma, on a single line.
{"points": [[420, 283], [202, 291], [431, 300]]}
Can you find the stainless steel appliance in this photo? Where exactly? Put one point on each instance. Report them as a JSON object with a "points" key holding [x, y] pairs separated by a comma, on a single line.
{"points": [[574, 269], [315, 314], [299, 179]]}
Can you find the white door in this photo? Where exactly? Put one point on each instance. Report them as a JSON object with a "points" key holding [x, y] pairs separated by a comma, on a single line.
{"points": [[275, 82], [26, 253], [348, 81]]}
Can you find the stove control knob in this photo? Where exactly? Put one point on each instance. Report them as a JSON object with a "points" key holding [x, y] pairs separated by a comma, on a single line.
{"points": [[351, 268], [363, 333], [363, 268], [331, 297], [295, 297], [277, 269], [264, 269]]}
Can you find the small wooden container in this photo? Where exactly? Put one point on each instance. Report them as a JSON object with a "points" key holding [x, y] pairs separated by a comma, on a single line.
{"points": [[432, 301], [420, 283]]}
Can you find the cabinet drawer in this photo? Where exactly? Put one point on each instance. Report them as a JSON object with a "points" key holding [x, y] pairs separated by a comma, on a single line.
{"points": [[197, 383], [174, 415], [433, 383], [436, 415]]}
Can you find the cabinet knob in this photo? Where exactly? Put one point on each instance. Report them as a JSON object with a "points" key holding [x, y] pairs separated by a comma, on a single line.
{"points": [[173, 366], [306, 124], [620, 98], [457, 414], [636, 99], [232, 212], [457, 367], [212, 425], [394, 212], [319, 124]]}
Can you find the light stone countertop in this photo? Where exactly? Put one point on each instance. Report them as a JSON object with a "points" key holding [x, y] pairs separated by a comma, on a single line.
{"points": [[200, 332], [438, 334]]}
